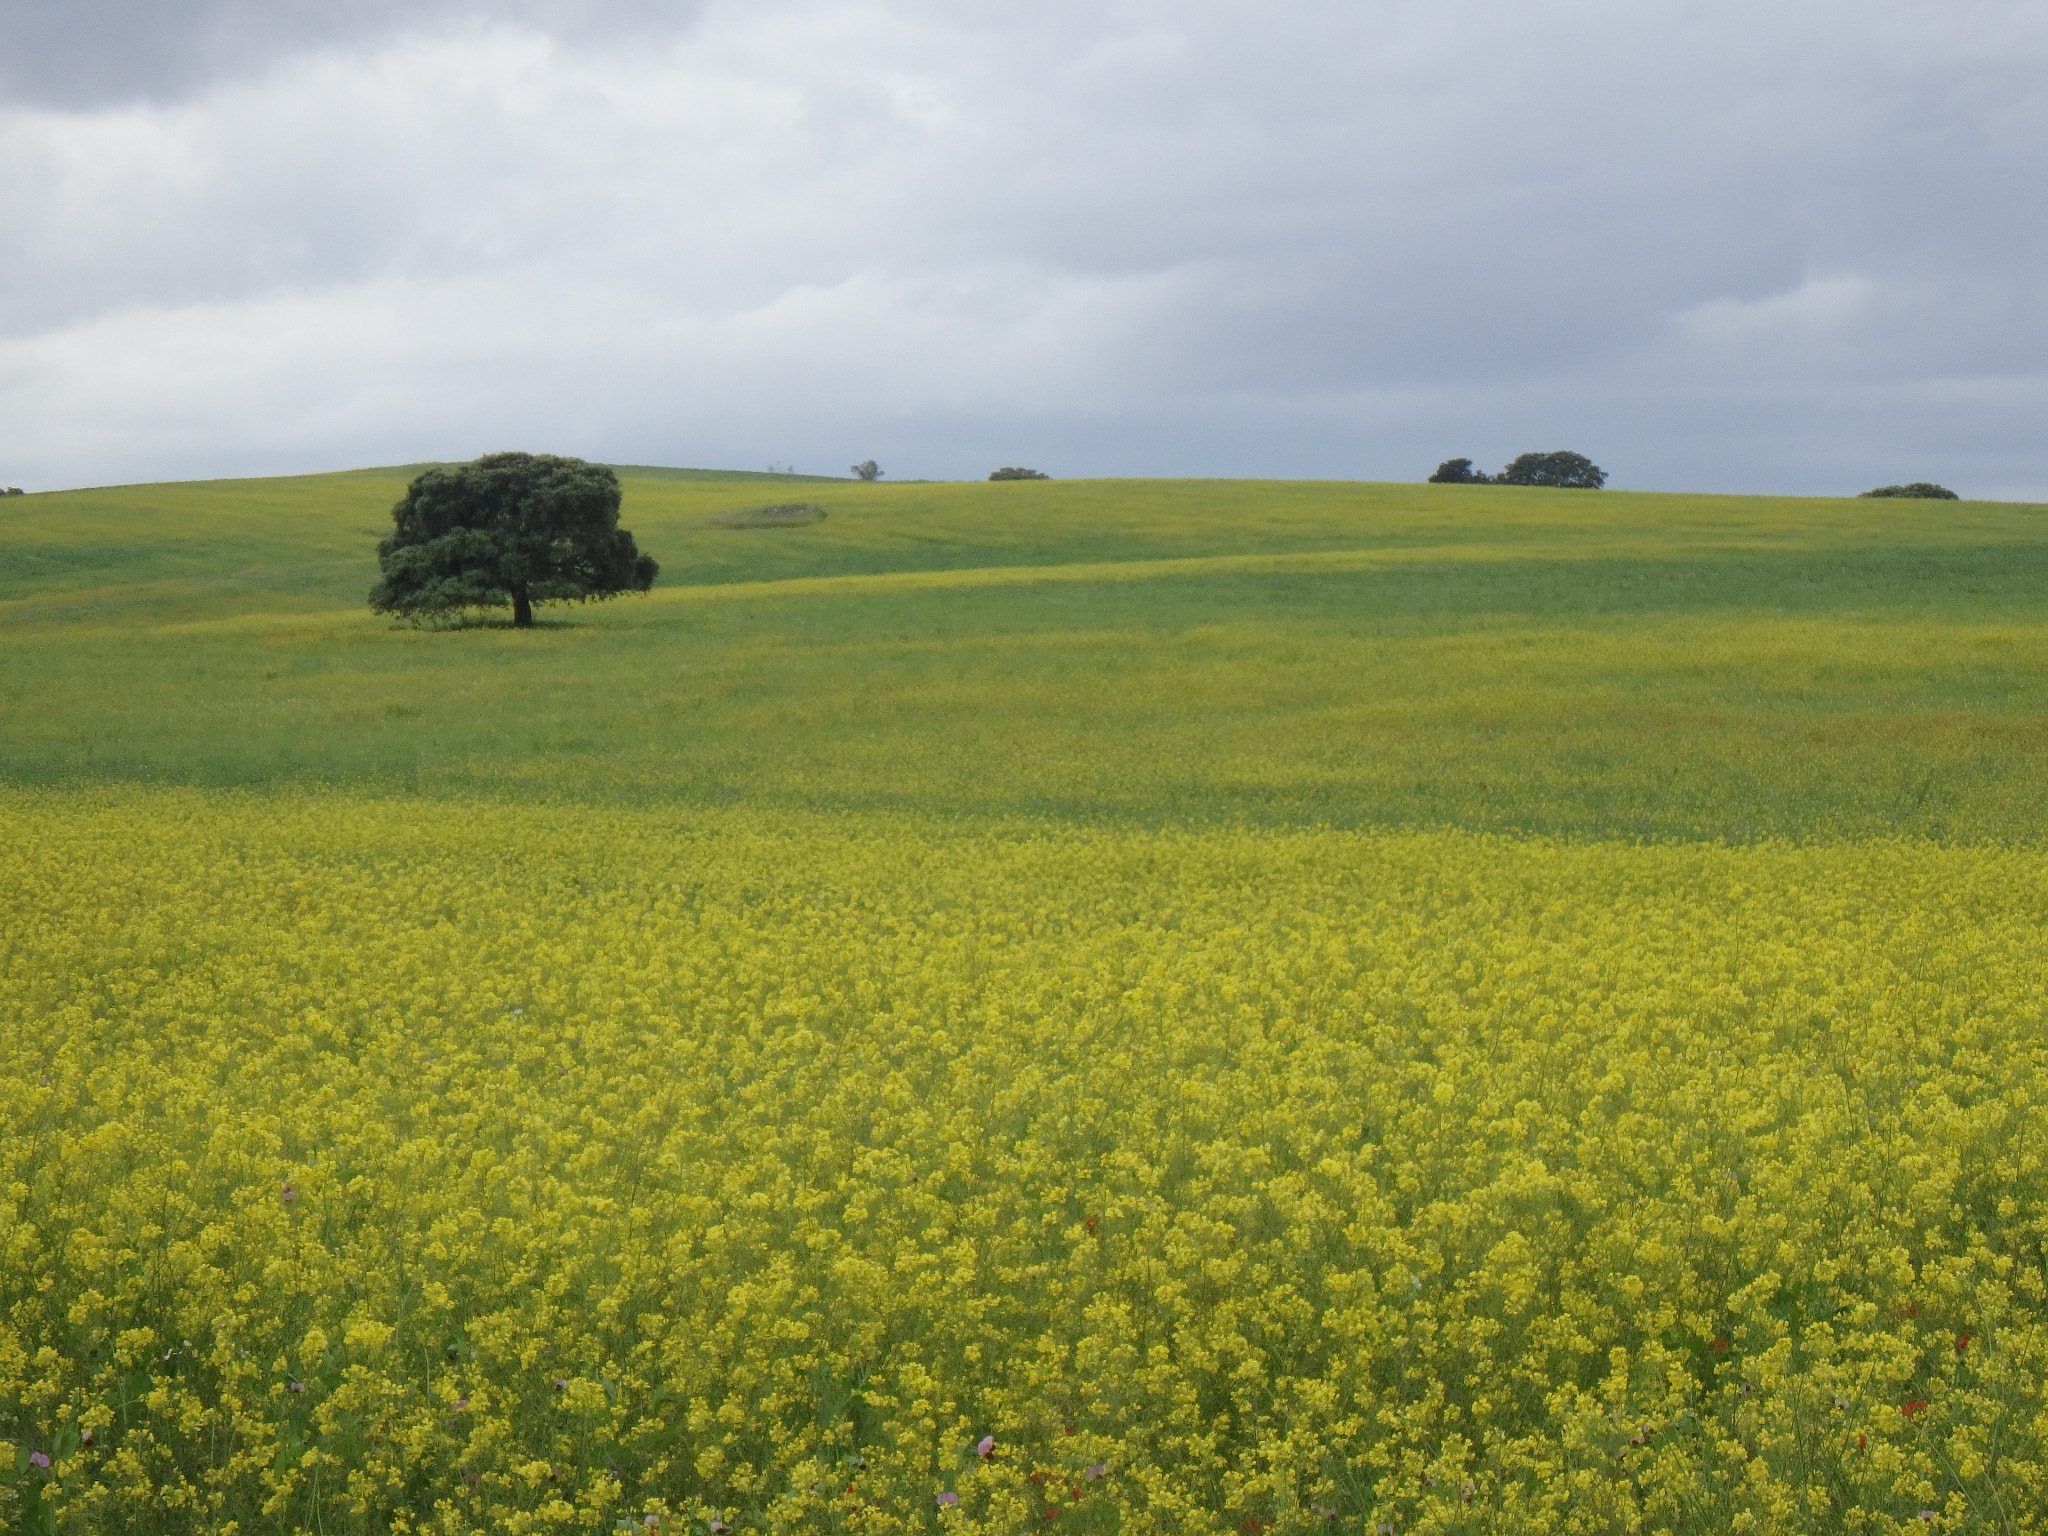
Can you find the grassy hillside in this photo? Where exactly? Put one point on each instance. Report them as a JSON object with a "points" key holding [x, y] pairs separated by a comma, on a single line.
{"points": [[1006, 1008], [1187, 651]]}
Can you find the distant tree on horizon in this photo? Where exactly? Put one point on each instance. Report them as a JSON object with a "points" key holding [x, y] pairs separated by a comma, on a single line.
{"points": [[1014, 473], [868, 469], [1923, 490], [517, 528], [1561, 469]]}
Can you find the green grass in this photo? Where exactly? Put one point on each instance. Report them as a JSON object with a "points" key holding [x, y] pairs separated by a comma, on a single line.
{"points": [[1593, 664], [1766, 1087]]}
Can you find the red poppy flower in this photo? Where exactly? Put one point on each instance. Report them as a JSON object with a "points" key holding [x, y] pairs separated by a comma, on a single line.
{"points": [[1861, 1442], [1963, 1341], [1911, 1309], [1916, 1406], [1719, 1346]]}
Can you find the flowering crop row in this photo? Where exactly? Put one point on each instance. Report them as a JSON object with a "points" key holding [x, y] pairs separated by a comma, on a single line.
{"points": [[404, 1166]]}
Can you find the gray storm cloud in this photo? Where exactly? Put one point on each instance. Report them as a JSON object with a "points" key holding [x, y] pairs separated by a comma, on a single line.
{"points": [[1751, 248], [84, 53]]}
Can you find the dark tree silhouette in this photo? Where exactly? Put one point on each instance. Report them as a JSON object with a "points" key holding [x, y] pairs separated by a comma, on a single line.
{"points": [[517, 528], [1012, 473], [1919, 489], [867, 469], [1458, 472], [1562, 469]]}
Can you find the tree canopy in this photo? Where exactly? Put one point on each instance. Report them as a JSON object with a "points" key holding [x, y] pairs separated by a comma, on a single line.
{"points": [[1560, 468], [1920, 489], [517, 528], [1018, 472]]}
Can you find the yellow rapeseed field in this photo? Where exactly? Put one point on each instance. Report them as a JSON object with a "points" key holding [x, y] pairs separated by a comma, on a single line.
{"points": [[403, 1165]]}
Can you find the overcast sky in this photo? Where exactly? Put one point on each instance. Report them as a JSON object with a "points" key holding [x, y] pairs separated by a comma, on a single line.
{"points": [[1736, 246]]}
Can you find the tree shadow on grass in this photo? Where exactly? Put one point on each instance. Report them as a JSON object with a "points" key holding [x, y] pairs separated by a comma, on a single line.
{"points": [[479, 619]]}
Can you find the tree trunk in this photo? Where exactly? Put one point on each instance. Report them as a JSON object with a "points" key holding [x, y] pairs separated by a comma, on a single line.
{"points": [[522, 609]]}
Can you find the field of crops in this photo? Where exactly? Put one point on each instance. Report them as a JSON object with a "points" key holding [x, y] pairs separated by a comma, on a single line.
{"points": [[1140, 1009]]}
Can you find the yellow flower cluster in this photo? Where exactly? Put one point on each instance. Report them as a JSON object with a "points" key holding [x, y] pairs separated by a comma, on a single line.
{"points": [[414, 1166]]}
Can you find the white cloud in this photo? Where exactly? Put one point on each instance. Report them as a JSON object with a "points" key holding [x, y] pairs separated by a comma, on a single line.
{"points": [[1196, 237]]}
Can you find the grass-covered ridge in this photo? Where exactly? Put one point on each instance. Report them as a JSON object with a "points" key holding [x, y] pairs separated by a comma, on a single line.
{"points": [[1123, 1007], [1591, 664]]}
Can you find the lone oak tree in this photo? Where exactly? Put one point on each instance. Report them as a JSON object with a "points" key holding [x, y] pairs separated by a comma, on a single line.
{"points": [[518, 528]]}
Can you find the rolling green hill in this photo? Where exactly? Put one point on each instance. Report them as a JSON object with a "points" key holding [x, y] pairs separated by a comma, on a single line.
{"points": [[1605, 664], [1008, 1004]]}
